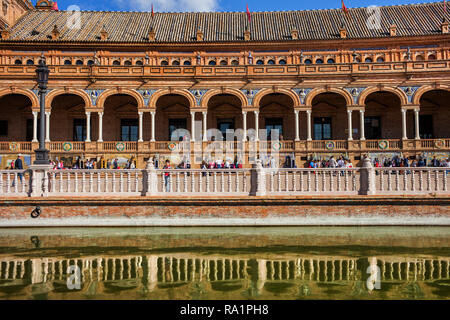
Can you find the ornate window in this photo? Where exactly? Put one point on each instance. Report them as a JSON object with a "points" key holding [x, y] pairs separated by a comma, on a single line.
{"points": [[282, 61], [331, 60], [67, 62], [419, 58], [223, 62], [175, 63], [164, 63], [431, 57], [259, 61], [18, 61], [127, 63], [368, 60], [234, 62], [90, 62], [187, 63], [271, 61], [30, 62], [308, 61], [212, 63], [380, 59], [319, 61], [116, 63], [139, 62], [79, 62]]}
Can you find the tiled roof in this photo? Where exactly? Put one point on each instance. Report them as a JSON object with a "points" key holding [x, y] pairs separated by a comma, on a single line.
{"points": [[411, 20]]}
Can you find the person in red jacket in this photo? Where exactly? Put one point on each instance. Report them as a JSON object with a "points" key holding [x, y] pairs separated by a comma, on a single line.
{"points": [[167, 176]]}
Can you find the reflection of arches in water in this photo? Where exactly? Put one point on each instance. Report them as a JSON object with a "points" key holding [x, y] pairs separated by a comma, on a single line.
{"points": [[227, 285], [121, 285], [278, 287], [224, 273]]}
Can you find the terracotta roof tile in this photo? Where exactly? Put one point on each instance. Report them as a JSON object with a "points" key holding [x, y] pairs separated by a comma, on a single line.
{"points": [[411, 20]]}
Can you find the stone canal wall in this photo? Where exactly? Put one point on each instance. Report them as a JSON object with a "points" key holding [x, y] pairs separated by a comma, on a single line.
{"points": [[236, 211]]}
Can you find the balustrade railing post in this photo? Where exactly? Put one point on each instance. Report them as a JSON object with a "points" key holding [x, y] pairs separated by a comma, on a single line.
{"points": [[367, 178], [39, 180], [258, 180], [150, 181]]}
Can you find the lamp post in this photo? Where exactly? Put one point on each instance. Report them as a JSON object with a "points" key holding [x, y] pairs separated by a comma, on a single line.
{"points": [[42, 72]]}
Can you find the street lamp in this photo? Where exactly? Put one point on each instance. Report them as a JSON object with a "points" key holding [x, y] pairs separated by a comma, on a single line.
{"points": [[42, 72]]}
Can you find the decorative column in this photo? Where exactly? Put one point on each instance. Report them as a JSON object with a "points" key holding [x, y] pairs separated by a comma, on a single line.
{"points": [[193, 126], [297, 136], [88, 127], [100, 127], [416, 120], [204, 126], [256, 125], [308, 125], [350, 129], [244, 122], [47, 126], [404, 135], [35, 121], [153, 113], [141, 115], [361, 124]]}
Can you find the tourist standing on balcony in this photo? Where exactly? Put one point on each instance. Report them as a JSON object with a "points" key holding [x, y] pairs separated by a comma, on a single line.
{"points": [[435, 162], [167, 176], [18, 165], [115, 164], [332, 162]]}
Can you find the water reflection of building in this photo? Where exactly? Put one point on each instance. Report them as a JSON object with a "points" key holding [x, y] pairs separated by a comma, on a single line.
{"points": [[268, 276]]}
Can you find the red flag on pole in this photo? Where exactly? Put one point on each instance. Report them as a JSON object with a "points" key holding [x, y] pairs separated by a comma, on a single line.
{"points": [[249, 16], [344, 8], [55, 6], [153, 14]]}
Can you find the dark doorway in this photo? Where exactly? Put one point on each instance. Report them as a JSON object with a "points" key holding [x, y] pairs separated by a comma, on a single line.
{"points": [[372, 127], [425, 126], [129, 129], [322, 128]]}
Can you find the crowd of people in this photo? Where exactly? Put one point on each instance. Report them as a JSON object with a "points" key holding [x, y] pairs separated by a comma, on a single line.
{"points": [[94, 164], [398, 161], [341, 162]]}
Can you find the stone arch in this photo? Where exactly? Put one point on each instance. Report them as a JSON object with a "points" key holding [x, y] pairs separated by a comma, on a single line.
{"points": [[133, 93], [424, 89], [28, 93], [315, 92], [182, 92], [234, 92], [366, 92], [257, 99], [57, 92]]}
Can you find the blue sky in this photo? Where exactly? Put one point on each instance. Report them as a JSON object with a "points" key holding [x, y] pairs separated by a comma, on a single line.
{"points": [[222, 5]]}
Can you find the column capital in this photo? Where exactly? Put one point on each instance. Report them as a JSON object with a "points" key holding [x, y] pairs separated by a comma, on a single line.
{"points": [[100, 113], [88, 113], [296, 111], [308, 111], [140, 113], [244, 112], [152, 113], [204, 113], [35, 113], [349, 111], [47, 113], [193, 112]]}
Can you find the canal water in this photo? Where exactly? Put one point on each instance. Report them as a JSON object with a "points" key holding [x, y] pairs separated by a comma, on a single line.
{"points": [[225, 263]]}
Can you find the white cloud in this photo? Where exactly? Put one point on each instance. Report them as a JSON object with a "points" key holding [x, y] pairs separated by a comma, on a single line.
{"points": [[170, 5]]}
